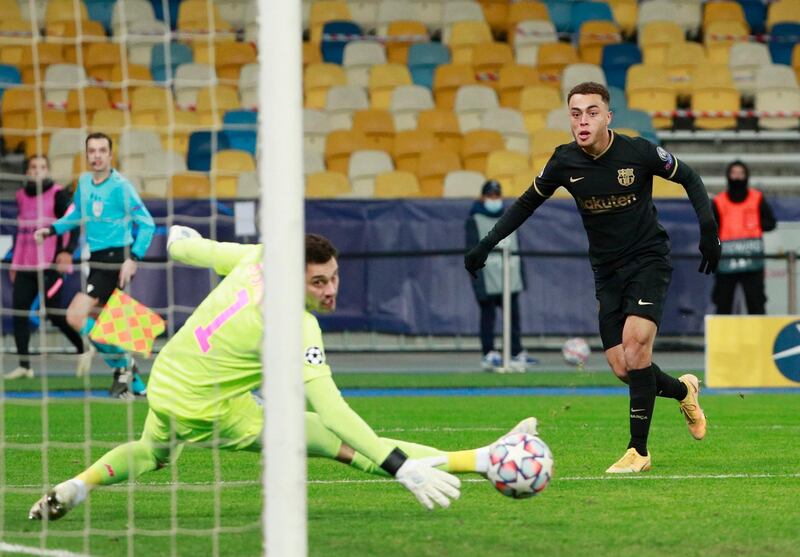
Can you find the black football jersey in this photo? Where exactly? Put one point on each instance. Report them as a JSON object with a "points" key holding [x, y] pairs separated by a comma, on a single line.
{"points": [[614, 194]]}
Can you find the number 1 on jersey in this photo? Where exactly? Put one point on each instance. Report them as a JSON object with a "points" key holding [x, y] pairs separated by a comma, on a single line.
{"points": [[203, 334]]}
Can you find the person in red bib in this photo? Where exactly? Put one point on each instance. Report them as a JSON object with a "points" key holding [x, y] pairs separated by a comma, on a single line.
{"points": [[743, 215]]}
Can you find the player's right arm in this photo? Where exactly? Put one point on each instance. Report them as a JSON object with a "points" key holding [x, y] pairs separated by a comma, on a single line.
{"points": [[185, 244], [542, 188]]}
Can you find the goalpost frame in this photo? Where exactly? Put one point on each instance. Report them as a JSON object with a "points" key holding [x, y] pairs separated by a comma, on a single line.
{"points": [[282, 228]]}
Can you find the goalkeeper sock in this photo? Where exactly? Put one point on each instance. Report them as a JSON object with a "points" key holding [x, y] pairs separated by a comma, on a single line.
{"points": [[668, 386], [642, 388], [117, 465]]}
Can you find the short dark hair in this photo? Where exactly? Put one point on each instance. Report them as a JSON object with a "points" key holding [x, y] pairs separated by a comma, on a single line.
{"points": [[100, 135], [741, 163], [36, 156], [590, 88], [319, 249]]}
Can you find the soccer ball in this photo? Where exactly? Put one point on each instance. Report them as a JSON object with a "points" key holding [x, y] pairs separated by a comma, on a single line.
{"points": [[520, 465], [576, 351]]}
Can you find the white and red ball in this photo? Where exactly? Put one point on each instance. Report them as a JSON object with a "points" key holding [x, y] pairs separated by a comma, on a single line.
{"points": [[576, 351], [520, 465]]}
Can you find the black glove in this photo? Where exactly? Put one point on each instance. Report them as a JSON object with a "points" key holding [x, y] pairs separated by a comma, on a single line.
{"points": [[475, 259], [710, 248]]}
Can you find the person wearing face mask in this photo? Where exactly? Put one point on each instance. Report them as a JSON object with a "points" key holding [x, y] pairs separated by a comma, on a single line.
{"points": [[488, 287], [40, 202], [743, 215]]}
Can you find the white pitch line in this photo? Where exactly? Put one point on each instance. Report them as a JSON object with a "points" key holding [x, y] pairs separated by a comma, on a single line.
{"points": [[28, 550]]}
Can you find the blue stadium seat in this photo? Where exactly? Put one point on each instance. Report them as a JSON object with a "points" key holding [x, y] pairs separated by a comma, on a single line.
{"points": [[423, 59], [202, 147], [618, 99], [158, 9], [179, 53], [333, 51], [782, 40], [101, 10], [755, 12], [240, 128], [560, 14], [639, 121], [588, 11], [9, 76], [617, 58]]}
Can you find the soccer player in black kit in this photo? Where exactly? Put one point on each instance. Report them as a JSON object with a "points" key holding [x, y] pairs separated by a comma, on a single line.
{"points": [[611, 178]]}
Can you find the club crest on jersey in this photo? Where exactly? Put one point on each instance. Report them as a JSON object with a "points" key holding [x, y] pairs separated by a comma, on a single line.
{"points": [[97, 208], [625, 176]]}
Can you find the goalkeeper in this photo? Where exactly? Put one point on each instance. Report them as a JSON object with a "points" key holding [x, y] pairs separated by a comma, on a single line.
{"points": [[201, 383]]}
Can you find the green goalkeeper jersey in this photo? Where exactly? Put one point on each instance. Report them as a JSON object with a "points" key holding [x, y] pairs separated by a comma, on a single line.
{"points": [[216, 355]]}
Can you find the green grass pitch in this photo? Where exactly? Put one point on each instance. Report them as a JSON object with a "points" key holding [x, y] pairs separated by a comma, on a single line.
{"points": [[735, 493]]}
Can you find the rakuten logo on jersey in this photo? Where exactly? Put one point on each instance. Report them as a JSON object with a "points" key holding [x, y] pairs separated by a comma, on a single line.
{"points": [[601, 204]]}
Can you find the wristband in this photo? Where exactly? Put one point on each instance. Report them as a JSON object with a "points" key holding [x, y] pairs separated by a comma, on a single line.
{"points": [[394, 461]]}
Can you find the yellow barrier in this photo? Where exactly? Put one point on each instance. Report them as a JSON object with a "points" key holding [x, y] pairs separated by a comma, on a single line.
{"points": [[752, 351]]}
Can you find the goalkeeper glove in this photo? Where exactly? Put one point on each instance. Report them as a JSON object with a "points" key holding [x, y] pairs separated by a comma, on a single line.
{"points": [[429, 485], [710, 248], [177, 232], [475, 259]]}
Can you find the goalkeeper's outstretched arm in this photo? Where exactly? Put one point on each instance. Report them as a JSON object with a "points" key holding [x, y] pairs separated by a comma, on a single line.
{"points": [[185, 244]]}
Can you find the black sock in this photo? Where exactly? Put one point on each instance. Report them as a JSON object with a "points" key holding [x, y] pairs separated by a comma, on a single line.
{"points": [[642, 387], [668, 386]]}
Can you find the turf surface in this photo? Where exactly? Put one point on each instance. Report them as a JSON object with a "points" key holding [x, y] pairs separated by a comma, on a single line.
{"points": [[734, 493]]}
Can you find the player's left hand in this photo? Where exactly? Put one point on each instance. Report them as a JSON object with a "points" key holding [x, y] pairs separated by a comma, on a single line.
{"points": [[429, 485], [126, 272], [475, 259], [710, 248]]}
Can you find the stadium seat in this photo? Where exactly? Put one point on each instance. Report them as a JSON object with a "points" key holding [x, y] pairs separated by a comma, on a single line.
{"points": [[111, 122], [536, 101], [241, 129], [636, 120], [783, 37], [397, 184], [503, 165], [39, 127], [189, 185], [593, 36], [434, 165], [248, 86], [459, 11], [511, 125], [363, 12], [247, 186], [132, 147], [774, 100], [65, 10], [64, 145], [22, 57], [378, 127], [689, 15], [167, 11], [176, 126], [722, 10], [447, 79], [157, 169], [196, 21], [552, 58], [463, 36], [655, 37], [524, 11], [618, 99], [529, 35], [681, 60], [230, 56], [9, 77], [100, 59], [720, 36], [359, 57], [129, 11], [383, 79], [581, 12], [363, 168], [390, 11], [325, 11], [396, 49], [470, 104], [560, 14], [476, 146], [444, 125], [495, 13], [151, 99], [545, 141], [782, 11], [558, 119], [59, 79], [336, 35], [649, 89], [409, 145], [512, 79], [626, 13], [423, 59], [202, 146], [234, 12], [10, 10], [712, 99], [16, 32], [326, 185], [630, 132], [775, 76], [744, 60], [796, 60], [75, 36], [488, 58], [189, 79], [463, 184], [315, 129], [142, 38], [226, 166], [408, 101], [430, 12], [755, 12], [579, 73], [341, 102], [339, 145], [176, 53], [312, 54], [123, 81], [615, 61], [317, 79], [710, 76]]}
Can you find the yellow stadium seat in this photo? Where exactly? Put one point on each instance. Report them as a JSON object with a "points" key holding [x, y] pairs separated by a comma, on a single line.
{"points": [[503, 165], [378, 127], [196, 21], [339, 145], [681, 59], [396, 184], [22, 57], [312, 54], [545, 141], [464, 35], [327, 184], [722, 10], [397, 50], [409, 145], [50, 120], [536, 101], [15, 31], [656, 37], [65, 10], [554, 57], [317, 79], [476, 146], [100, 60], [213, 102], [175, 127], [83, 103], [111, 122], [495, 13], [17, 103], [512, 79], [383, 79], [625, 13], [226, 165], [151, 99], [444, 125], [593, 36], [324, 11], [520, 182], [712, 99], [192, 185], [433, 167], [654, 99], [10, 10], [706, 76], [122, 83], [446, 81], [524, 11], [720, 35], [646, 75], [488, 58], [73, 35], [230, 56], [796, 60], [782, 12], [630, 132], [665, 189]]}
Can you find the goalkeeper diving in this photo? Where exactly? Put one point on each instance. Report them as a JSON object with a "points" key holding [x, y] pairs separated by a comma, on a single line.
{"points": [[201, 384]]}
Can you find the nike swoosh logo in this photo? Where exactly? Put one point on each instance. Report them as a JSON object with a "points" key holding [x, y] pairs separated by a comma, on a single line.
{"points": [[573, 180], [643, 303], [638, 409]]}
